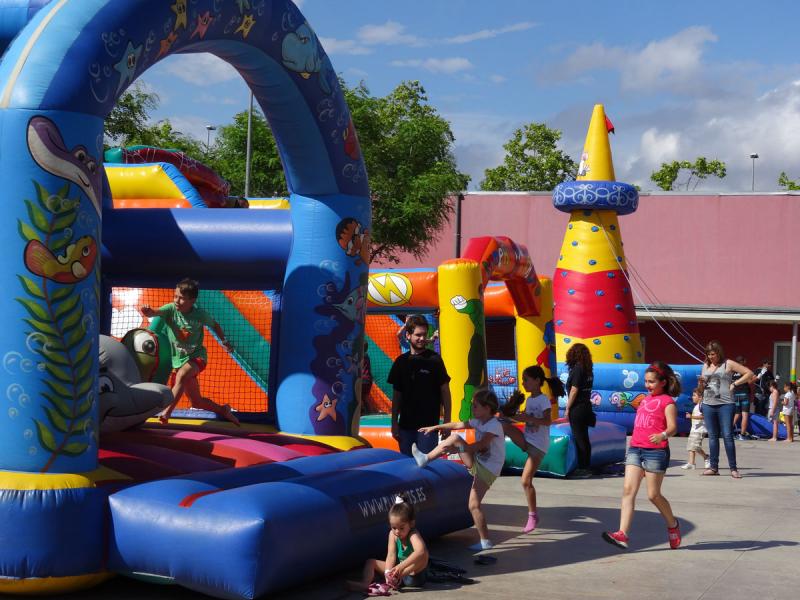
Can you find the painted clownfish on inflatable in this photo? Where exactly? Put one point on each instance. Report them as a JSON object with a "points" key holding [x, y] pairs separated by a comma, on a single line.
{"points": [[71, 267]]}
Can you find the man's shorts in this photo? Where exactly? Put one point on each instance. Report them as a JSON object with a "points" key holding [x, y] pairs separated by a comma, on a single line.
{"points": [[742, 402], [695, 441], [482, 473], [652, 460]]}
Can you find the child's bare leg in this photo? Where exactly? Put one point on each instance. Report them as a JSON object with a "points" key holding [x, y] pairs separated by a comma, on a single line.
{"points": [[528, 472], [702, 453], [371, 567], [630, 487], [515, 435], [660, 502], [449, 445], [177, 394], [691, 457], [192, 389], [476, 494]]}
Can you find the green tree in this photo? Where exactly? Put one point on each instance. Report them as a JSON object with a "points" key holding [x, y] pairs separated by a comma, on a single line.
{"points": [[532, 162], [407, 148], [130, 116], [229, 154], [786, 183], [667, 176], [129, 124]]}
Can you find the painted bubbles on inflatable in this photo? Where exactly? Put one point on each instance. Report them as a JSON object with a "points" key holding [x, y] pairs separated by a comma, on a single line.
{"points": [[60, 77]]}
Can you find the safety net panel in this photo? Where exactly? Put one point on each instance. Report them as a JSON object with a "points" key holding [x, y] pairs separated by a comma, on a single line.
{"points": [[238, 378]]}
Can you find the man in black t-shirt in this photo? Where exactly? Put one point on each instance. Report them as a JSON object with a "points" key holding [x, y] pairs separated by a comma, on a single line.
{"points": [[761, 386], [420, 390]]}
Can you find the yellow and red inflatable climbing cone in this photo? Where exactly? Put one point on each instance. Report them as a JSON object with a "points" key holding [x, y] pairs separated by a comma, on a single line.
{"points": [[592, 297]]}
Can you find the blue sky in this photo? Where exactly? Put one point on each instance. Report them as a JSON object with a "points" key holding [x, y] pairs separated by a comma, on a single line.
{"points": [[678, 79]]}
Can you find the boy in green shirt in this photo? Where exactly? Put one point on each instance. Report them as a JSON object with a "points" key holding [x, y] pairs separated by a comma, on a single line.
{"points": [[185, 323]]}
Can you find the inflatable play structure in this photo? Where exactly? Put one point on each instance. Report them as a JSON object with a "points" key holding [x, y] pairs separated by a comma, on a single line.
{"points": [[219, 510], [593, 299]]}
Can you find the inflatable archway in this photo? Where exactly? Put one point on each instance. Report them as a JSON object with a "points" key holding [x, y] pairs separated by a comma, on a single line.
{"points": [[60, 77]]}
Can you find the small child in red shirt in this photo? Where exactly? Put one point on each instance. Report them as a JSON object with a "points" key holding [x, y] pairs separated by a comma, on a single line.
{"points": [[648, 453]]}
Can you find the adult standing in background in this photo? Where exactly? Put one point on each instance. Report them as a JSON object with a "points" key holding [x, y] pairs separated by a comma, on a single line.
{"points": [[741, 400], [762, 389], [421, 391], [719, 405], [579, 411]]}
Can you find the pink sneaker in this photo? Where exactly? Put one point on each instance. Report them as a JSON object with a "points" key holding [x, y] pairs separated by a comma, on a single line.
{"points": [[674, 534], [616, 538], [533, 521]]}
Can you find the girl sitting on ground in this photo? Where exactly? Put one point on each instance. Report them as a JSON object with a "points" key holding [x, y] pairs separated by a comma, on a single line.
{"points": [[484, 458], [406, 557]]}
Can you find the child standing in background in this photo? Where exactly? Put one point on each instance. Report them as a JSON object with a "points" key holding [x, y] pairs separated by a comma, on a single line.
{"points": [[774, 411], [694, 443], [789, 401]]}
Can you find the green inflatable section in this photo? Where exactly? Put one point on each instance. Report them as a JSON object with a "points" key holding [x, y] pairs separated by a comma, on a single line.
{"points": [[556, 462]]}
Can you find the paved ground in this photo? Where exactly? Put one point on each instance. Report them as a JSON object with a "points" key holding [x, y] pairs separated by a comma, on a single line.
{"points": [[740, 537]]}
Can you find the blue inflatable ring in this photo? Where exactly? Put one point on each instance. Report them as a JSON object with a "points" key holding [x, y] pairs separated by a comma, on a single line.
{"points": [[622, 198]]}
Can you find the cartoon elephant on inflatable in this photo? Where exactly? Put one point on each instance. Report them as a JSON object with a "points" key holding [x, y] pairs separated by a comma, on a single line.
{"points": [[125, 401]]}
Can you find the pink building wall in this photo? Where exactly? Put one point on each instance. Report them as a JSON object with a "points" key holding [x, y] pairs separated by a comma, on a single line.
{"points": [[691, 250]]}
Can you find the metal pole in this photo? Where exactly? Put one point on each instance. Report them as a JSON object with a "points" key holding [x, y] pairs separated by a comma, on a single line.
{"points": [[459, 200], [753, 186], [792, 370], [249, 154]]}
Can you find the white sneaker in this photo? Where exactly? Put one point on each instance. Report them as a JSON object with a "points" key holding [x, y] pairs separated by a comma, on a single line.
{"points": [[688, 466], [482, 545], [419, 456], [707, 463]]}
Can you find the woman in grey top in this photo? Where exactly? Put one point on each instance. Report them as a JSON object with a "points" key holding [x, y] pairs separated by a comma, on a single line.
{"points": [[718, 404]]}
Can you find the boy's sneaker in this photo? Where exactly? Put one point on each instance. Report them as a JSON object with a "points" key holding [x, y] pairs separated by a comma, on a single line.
{"points": [[707, 463], [616, 538], [582, 474], [674, 534], [419, 456], [687, 466]]}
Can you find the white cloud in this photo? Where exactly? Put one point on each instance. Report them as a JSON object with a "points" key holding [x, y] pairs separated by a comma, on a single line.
{"points": [[200, 69], [497, 78], [673, 63], [334, 46], [390, 33], [485, 34], [436, 65]]}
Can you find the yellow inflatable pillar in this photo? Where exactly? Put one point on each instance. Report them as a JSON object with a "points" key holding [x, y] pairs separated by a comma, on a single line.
{"points": [[593, 301], [536, 341], [462, 335]]}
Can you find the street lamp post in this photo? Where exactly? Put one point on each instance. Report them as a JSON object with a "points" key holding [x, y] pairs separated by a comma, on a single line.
{"points": [[249, 151], [209, 129], [753, 156]]}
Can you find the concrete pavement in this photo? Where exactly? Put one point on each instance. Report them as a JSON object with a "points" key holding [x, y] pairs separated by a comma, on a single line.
{"points": [[740, 539]]}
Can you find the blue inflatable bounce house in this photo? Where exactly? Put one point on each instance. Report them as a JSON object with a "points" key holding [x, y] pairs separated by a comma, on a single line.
{"points": [[232, 533]]}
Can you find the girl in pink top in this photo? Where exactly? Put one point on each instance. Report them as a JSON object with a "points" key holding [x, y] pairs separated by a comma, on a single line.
{"points": [[648, 453]]}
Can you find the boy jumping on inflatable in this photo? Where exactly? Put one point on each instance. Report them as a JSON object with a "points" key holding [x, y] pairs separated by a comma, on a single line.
{"points": [[185, 323]]}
